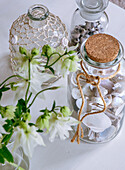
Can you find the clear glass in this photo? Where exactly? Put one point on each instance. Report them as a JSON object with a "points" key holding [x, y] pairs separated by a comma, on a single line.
{"points": [[19, 158], [87, 20], [103, 127], [35, 29]]}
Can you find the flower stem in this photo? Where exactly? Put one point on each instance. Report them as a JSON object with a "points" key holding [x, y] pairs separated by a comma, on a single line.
{"points": [[51, 88], [56, 59], [28, 81], [29, 97], [10, 78]]}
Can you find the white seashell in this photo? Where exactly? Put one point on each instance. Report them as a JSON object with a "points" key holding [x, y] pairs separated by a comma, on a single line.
{"points": [[76, 93], [97, 122], [91, 135], [107, 84], [86, 107], [107, 133], [108, 100], [118, 78], [119, 89], [119, 109], [116, 102], [98, 100], [87, 91], [104, 91]]}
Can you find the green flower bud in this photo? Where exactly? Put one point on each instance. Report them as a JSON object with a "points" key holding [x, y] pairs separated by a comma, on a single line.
{"points": [[27, 116], [71, 52], [13, 88], [22, 50], [43, 123], [23, 125], [9, 112], [35, 51], [65, 111], [47, 50]]}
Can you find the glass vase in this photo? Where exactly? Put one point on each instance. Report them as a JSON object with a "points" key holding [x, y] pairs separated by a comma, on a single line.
{"points": [[33, 30]]}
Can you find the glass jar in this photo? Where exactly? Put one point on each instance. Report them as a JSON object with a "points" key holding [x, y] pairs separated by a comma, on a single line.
{"points": [[20, 159], [33, 30], [87, 20], [99, 127]]}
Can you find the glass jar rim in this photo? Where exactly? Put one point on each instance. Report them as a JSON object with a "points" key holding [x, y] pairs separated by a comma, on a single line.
{"points": [[91, 9], [44, 15], [98, 64]]}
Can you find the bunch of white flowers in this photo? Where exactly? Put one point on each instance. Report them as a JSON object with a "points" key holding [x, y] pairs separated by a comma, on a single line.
{"points": [[15, 121]]}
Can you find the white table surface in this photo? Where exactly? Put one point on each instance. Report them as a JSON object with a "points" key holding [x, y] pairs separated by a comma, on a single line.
{"points": [[63, 155]]}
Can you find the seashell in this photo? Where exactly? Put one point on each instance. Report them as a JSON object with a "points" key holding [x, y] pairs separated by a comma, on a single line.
{"points": [[88, 25], [118, 78], [98, 100], [116, 102], [87, 90], [119, 109], [76, 93], [103, 91], [107, 84], [109, 132], [91, 135], [75, 35], [86, 107], [97, 122]]}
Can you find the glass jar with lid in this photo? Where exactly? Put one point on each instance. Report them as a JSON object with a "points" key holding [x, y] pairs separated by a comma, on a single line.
{"points": [[96, 92], [33, 30], [87, 20]]}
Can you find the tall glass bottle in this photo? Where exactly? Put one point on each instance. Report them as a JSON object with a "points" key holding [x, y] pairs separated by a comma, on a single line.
{"points": [[87, 20]]}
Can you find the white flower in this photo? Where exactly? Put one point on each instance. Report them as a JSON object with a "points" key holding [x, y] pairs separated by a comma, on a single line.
{"points": [[27, 138], [60, 126], [37, 79], [2, 122], [67, 63]]}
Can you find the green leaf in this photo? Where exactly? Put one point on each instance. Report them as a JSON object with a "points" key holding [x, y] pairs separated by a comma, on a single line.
{"points": [[4, 88], [21, 107], [6, 154], [2, 161], [54, 104], [7, 137]]}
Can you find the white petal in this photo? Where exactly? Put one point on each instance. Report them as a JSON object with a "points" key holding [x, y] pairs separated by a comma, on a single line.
{"points": [[53, 133]]}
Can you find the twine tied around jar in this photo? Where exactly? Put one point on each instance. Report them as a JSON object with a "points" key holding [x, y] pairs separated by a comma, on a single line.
{"points": [[94, 81]]}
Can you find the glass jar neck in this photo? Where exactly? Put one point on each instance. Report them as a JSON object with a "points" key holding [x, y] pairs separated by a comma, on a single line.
{"points": [[37, 15], [98, 65]]}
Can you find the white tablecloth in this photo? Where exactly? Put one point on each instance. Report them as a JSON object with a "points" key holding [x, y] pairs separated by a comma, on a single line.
{"points": [[63, 155]]}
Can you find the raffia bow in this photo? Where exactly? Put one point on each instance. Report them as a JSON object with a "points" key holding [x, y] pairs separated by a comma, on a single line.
{"points": [[94, 81]]}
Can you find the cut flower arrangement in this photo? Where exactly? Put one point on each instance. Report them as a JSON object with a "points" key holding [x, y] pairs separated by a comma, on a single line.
{"points": [[15, 120]]}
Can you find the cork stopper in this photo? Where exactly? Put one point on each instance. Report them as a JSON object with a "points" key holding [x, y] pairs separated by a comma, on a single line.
{"points": [[102, 48]]}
